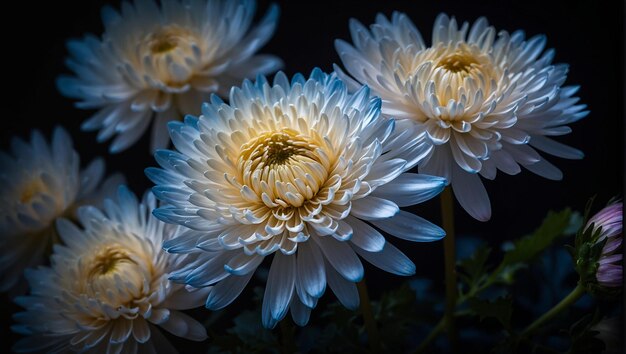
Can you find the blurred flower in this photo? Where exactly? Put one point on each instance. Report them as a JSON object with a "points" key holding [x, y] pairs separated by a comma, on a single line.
{"points": [[301, 170], [38, 184], [486, 102], [609, 222], [162, 62], [108, 287]]}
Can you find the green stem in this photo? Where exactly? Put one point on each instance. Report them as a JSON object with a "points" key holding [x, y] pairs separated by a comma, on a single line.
{"points": [[447, 215], [491, 279], [570, 299], [459, 301], [368, 317], [434, 333]]}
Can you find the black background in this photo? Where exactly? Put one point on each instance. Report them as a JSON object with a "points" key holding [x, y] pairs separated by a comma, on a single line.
{"points": [[588, 35]]}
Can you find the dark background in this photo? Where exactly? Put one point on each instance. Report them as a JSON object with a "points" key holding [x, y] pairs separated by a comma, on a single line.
{"points": [[588, 35]]}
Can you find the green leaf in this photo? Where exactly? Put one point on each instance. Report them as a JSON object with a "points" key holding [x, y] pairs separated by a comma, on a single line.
{"points": [[583, 335], [500, 309], [528, 247], [394, 313], [473, 269]]}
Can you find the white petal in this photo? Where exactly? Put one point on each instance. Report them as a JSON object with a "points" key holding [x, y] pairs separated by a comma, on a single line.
{"points": [[555, 148], [71, 234], [545, 169], [373, 208], [186, 298], [91, 176], [206, 273], [471, 194], [226, 291], [411, 188], [310, 264], [439, 163], [299, 312], [121, 330], [279, 289], [141, 330], [409, 226], [390, 259], [184, 326], [243, 264], [344, 231], [341, 257], [385, 172], [365, 236], [345, 291]]}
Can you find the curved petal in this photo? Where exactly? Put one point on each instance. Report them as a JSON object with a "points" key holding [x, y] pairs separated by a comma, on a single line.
{"points": [[226, 291], [471, 194], [411, 227], [411, 188], [345, 290], [279, 289], [299, 312], [365, 236], [374, 208], [184, 326], [310, 264], [390, 259], [341, 257]]}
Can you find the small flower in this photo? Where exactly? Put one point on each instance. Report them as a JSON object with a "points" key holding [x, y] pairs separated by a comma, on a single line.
{"points": [[301, 170], [486, 101], [107, 289], [161, 62], [38, 184], [609, 221]]}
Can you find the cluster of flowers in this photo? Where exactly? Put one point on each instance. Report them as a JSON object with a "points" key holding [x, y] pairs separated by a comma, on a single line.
{"points": [[305, 169]]}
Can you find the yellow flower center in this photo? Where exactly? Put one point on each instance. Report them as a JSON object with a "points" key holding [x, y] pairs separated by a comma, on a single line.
{"points": [[277, 148], [458, 71], [458, 62], [31, 189], [166, 39], [168, 55], [106, 261], [286, 166], [103, 271]]}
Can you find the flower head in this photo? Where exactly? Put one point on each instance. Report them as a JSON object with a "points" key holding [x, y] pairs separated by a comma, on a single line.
{"points": [[486, 101], [107, 287], [40, 182], [301, 170], [610, 223], [162, 62]]}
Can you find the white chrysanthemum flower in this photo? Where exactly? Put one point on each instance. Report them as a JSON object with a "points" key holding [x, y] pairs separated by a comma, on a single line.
{"points": [[486, 102], [38, 184], [301, 170], [107, 287], [163, 61]]}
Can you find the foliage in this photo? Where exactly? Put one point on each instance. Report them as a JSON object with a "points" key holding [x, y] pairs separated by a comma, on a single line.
{"points": [[488, 305], [474, 271], [500, 309], [583, 337]]}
